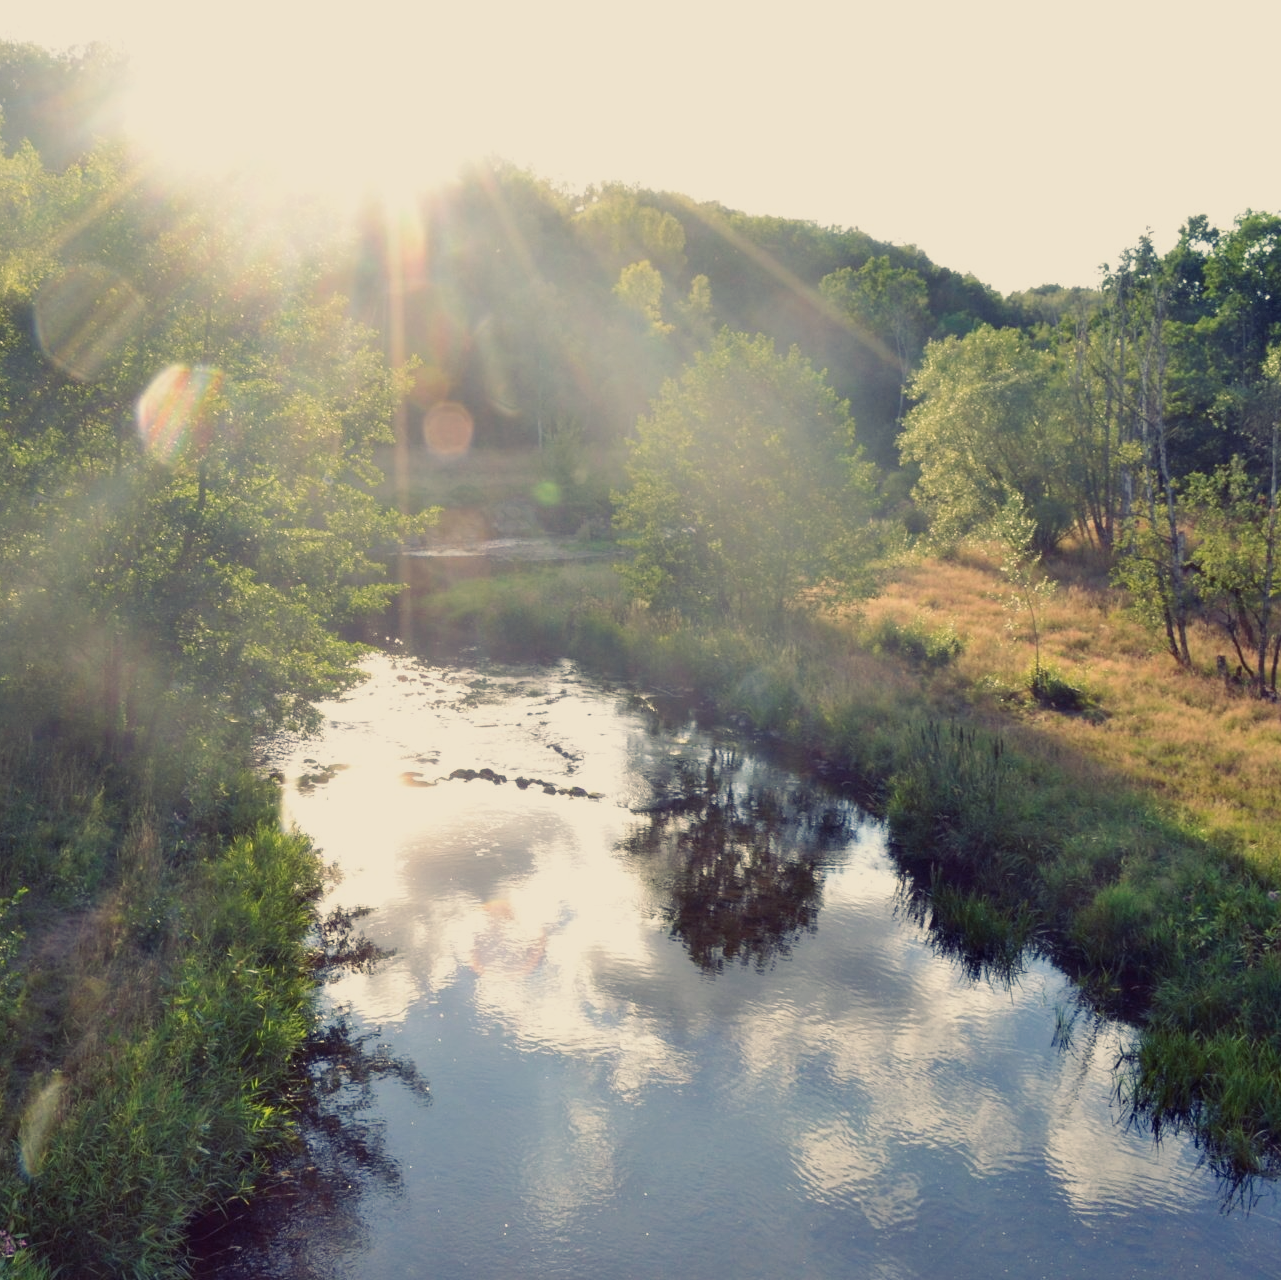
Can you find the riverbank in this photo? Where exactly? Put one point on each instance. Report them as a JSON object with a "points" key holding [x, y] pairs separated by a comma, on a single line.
{"points": [[1129, 841], [159, 985]]}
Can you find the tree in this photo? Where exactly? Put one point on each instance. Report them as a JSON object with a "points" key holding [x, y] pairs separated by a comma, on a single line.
{"points": [[1151, 550], [990, 425], [1235, 516], [1029, 587], [185, 518], [640, 290], [744, 481], [1234, 565], [887, 304]]}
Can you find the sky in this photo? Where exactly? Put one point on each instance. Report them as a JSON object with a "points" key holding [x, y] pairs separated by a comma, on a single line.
{"points": [[1026, 144]]}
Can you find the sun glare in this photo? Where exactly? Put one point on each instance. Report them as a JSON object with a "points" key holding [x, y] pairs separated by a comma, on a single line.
{"points": [[338, 120]]}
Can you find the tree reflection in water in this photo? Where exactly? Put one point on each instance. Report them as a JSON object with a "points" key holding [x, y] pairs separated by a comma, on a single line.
{"points": [[738, 862]]}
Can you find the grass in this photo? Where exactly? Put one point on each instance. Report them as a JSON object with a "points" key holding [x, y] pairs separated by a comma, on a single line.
{"points": [[155, 986], [1127, 830]]}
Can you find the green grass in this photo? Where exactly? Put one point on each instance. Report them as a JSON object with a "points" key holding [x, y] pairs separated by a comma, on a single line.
{"points": [[156, 984]]}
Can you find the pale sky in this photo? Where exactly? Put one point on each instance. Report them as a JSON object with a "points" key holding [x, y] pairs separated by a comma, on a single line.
{"points": [[1023, 142]]}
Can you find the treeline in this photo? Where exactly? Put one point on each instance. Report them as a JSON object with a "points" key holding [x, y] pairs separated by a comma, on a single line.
{"points": [[1144, 421], [539, 308], [187, 491]]}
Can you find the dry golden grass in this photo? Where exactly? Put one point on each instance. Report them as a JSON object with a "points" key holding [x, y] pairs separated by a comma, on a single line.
{"points": [[1211, 752]]}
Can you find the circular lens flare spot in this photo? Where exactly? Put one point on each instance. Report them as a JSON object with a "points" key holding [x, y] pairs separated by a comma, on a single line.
{"points": [[170, 411], [447, 429], [547, 492], [83, 319]]}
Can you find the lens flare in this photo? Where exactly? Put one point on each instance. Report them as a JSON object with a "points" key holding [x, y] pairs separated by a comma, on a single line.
{"points": [[494, 366], [83, 319], [447, 429], [36, 1126], [170, 411]]}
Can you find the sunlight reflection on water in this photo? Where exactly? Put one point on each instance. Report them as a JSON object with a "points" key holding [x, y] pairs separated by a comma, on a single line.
{"points": [[818, 1097]]}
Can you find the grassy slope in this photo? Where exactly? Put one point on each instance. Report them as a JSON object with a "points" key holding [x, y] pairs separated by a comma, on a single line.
{"points": [[1180, 737], [160, 990]]}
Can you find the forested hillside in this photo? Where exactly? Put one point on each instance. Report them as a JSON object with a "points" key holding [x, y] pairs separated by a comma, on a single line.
{"points": [[538, 307]]}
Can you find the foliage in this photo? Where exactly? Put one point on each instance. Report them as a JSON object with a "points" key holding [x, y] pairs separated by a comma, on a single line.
{"points": [[188, 526], [1021, 568], [886, 305], [188, 505], [640, 289], [989, 426], [917, 642], [1235, 565], [178, 1119], [10, 978], [744, 483]]}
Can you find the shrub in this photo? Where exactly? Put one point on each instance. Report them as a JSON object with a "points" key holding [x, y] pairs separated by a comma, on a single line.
{"points": [[917, 642], [1053, 691]]}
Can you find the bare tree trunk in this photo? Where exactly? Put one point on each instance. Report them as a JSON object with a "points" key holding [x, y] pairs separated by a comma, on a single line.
{"points": [[1152, 365], [1269, 568]]}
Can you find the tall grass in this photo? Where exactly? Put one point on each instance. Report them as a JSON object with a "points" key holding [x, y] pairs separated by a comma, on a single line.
{"points": [[155, 985]]}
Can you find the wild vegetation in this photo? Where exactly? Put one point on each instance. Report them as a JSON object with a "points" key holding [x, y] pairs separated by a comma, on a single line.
{"points": [[188, 423], [1007, 563]]}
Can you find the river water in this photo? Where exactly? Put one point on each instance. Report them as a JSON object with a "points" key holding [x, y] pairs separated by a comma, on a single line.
{"points": [[660, 1008]]}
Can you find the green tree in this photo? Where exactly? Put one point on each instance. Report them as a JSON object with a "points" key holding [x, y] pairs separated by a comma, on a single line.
{"points": [[619, 227], [186, 517], [640, 290], [990, 425], [887, 304], [1234, 565], [1235, 517], [1021, 567], [744, 484]]}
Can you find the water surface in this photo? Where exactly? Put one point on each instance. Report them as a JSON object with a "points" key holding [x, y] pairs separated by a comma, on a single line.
{"points": [[677, 1021]]}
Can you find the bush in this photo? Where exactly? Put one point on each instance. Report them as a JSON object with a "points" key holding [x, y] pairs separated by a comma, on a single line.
{"points": [[124, 1149], [1049, 687], [917, 642]]}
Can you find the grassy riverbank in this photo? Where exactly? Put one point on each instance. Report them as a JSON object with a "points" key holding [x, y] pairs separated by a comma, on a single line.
{"points": [[1130, 840], [158, 985]]}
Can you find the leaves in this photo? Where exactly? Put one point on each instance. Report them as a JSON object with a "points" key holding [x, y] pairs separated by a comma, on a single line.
{"points": [[744, 479], [184, 555]]}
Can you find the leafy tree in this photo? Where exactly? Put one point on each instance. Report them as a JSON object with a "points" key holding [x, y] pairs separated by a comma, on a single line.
{"points": [[186, 519], [619, 227], [61, 103], [1234, 566], [695, 318], [1021, 567], [1151, 550], [744, 481], [990, 425], [1235, 516], [640, 289], [890, 305]]}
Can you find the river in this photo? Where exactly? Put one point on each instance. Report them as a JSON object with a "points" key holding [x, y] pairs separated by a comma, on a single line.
{"points": [[659, 1007]]}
